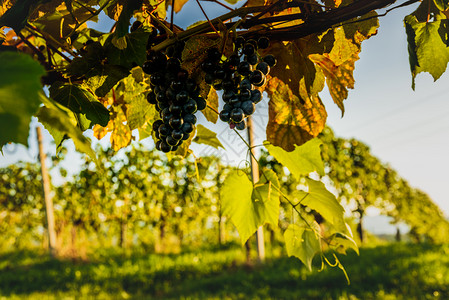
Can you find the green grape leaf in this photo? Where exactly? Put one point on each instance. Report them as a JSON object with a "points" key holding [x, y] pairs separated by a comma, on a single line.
{"points": [[57, 121], [442, 4], [134, 53], [248, 212], [19, 98], [102, 78], [266, 192], [212, 101], [207, 137], [303, 160], [341, 242], [291, 120], [79, 100], [427, 46], [303, 242], [324, 202]]}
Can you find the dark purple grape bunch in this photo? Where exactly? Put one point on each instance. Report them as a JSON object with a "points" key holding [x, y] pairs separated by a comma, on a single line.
{"points": [[237, 76], [175, 95]]}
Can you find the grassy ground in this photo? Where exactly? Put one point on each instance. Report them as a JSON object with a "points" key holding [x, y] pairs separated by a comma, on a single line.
{"points": [[396, 271]]}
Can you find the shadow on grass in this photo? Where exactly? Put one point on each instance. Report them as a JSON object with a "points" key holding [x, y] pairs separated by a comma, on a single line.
{"points": [[403, 270]]}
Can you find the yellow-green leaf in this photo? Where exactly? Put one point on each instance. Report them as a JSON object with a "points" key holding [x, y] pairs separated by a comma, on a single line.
{"points": [[427, 46], [247, 213], [207, 137], [324, 202], [293, 121], [303, 160], [210, 112], [338, 77], [303, 242], [341, 243]]}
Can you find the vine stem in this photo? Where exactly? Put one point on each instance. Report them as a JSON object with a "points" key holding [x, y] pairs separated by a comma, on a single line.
{"points": [[204, 13]]}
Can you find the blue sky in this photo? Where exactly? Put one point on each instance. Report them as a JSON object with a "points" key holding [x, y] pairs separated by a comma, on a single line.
{"points": [[405, 128]]}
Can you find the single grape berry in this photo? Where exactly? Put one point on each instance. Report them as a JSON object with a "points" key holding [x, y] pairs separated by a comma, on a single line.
{"points": [[234, 101], [256, 77], [245, 94], [219, 73], [171, 141], [228, 85], [187, 128], [209, 78], [135, 26], [177, 85], [190, 118], [170, 94], [158, 145], [248, 49], [244, 68], [252, 59], [177, 134], [165, 147], [151, 98], [256, 96], [225, 115], [246, 84], [190, 107], [234, 60], [208, 66], [164, 130], [190, 85], [182, 97], [156, 79], [176, 122], [263, 42], [263, 67], [248, 107], [237, 115], [157, 124], [240, 126], [270, 60], [175, 109], [200, 103]]}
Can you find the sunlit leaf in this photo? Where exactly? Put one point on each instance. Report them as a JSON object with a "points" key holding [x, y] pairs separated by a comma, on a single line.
{"points": [[338, 78], [247, 213], [19, 98], [324, 202], [341, 242], [103, 77], [303, 160], [427, 46], [442, 4], [303, 242], [292, 121], [207, 137], [267, 192], [79, 100], [210, 112]]}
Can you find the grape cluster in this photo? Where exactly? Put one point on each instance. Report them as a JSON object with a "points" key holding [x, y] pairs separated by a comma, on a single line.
{"points": [[175, 95], [237, 76]]}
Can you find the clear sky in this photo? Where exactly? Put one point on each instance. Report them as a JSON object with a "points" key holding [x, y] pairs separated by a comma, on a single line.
{"points": [[405, 128]]}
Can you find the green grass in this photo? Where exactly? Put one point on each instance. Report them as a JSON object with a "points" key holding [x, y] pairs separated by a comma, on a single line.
{"points": [[396, 271]]}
